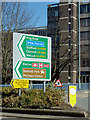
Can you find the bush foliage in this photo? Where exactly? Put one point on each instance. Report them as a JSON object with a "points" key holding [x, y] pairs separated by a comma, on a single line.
{"points": [[33, 98]]}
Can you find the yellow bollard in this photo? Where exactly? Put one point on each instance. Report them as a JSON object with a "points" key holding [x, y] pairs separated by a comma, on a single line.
{"points": [[72, 95]]}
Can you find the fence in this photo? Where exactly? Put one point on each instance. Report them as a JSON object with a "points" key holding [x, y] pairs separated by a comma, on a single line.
{"points": [[84, 86]]}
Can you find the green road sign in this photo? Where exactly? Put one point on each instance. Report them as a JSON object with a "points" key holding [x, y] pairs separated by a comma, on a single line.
{"points": [[31, 57], [33, 70], [33, 47]]}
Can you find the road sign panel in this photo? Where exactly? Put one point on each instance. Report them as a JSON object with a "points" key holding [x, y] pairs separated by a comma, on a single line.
{"points": [[31, 53], [32, 70], [72, 95], [33, 47], [57, 84], [19, 83]]}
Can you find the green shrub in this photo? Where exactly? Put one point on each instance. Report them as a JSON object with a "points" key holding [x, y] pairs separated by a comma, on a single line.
{"points": [[8, 91], [33, 98]]}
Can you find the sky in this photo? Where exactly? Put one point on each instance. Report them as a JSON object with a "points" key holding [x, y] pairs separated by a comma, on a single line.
{"points": [[39, 10]]}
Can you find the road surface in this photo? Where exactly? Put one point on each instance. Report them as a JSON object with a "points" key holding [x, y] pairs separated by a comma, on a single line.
{"points": [[41, 117]]}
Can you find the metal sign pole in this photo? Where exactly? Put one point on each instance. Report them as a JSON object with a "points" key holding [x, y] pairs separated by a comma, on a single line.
{"points": [[44, 86], [30, 84], [19, 92]]}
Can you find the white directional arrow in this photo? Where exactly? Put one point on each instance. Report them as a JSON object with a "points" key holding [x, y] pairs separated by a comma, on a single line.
{"points": [[18, 70], [21, 44]]}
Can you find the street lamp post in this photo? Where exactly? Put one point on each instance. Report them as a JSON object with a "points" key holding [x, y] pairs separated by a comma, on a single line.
{"points": [[79, 49]]}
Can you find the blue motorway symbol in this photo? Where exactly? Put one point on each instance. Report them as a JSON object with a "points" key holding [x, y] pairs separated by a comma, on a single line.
{"points": [[35, 43]]}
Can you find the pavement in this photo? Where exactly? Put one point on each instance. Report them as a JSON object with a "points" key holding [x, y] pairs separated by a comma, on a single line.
{"points": [[10, 116], [55, 112], [41, 114]]}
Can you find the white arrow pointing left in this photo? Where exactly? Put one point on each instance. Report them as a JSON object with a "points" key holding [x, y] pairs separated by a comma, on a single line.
{"points": [[21, 44], [18, 70]]}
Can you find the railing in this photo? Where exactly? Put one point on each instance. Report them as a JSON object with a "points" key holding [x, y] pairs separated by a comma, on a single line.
{"points": [[84, 86]]}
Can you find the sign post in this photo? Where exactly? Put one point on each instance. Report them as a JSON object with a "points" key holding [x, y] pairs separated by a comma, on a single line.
{"points": [[19, 91], [44, 86]]}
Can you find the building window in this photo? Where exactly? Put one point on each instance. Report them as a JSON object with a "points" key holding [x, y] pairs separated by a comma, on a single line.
{"points": [[52, 25], [56, 12], [88, 22], [38, 32], [50, 19], [51, 12], [83, 8], [85, 22], [85, 35], [85, 49], [82, 63], [83, 79], [87, 79], [43, 32], [85, 62], [88, 8], [88, 35]]}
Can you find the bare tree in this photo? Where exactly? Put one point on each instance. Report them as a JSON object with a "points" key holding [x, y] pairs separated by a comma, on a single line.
{"points": [[14, 18]]}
